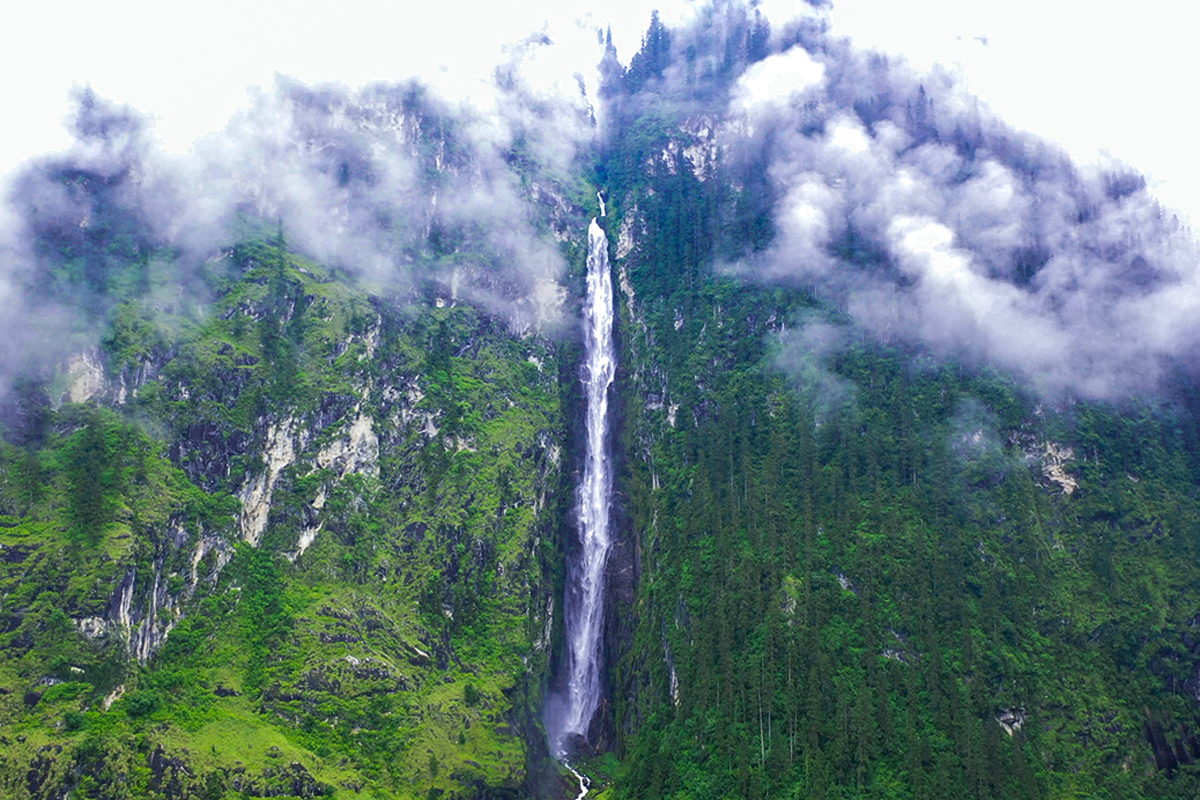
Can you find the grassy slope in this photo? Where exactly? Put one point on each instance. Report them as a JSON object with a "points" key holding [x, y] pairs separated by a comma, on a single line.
{"points": [[393, 657]]}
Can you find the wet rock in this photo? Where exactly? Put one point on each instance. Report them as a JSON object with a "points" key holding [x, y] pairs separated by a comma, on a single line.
{"points": [[16, 554], [170, 775], [39, 771], [292, 780], [1011, 719]]}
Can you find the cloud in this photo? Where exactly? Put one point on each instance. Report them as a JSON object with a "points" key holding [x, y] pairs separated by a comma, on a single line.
{"points": [[897, 198], [977, 452], [903, 202], [901, 199], [806, 353], [408, 193], [70, 222], [778, 79], [396, 186]]}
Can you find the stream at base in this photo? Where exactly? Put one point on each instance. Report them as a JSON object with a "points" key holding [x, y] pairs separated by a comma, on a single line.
{"points": [[584, 783]]}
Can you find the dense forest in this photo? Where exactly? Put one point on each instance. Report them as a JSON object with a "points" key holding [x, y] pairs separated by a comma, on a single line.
{"points": [[864, 570], [276, 524]]}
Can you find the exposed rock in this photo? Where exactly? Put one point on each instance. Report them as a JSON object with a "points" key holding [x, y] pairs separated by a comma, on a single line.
{"points": [[309, 534], [113, 697], [357, 451], [92, 627], [1011, 719], [157, 620], [632, 225], [371, 340], [1055, 459], [702, 152], [669, 660], [169, 775], [900, 650], [143, 618], [85, 376], [293, 780], [206, 451], [121, 603], [209, 544], [845, 582], [279, 452]]}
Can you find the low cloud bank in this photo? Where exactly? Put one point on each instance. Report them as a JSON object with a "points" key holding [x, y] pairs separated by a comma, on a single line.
{"points": [[924, 218], [398, 188], [905, 204]]}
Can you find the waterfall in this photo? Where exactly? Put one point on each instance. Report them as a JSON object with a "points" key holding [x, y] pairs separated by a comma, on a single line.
{"points": [[585, 575], [585, 784]]}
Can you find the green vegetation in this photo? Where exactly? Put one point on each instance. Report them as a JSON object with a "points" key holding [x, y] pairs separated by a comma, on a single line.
{"points": [[282, 534], [387, 635], [866, 574]]}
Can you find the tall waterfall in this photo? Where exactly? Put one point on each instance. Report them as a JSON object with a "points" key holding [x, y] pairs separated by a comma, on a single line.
{"points": [[585, 575]]}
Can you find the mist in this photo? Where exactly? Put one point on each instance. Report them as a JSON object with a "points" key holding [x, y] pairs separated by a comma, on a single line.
{"points": [[915, 214], [923, 218], [403, 192], [908, 208]]}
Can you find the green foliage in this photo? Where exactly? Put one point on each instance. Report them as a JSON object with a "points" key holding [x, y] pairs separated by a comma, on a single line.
{"points": [[854, 577], [854, 571], [94, 464], [132, 336], [414, 600], [266, 621], [142, 703]]}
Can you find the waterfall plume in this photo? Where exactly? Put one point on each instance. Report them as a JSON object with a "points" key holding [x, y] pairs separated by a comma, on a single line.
{"points": [[585, 574]]}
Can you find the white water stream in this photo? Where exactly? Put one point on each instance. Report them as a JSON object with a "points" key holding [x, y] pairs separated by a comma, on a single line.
{"points": [[585, 575], [584, 783]]}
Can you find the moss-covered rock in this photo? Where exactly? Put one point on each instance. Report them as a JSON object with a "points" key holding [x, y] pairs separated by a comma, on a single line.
{"points": [[273, 545]]}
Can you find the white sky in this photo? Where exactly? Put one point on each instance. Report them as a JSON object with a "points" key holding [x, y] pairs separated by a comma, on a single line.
{"points": [[1105, 80], [1097, 77]]}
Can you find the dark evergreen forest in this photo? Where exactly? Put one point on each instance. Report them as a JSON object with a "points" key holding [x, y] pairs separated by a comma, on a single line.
{"points": [[871, 572]]}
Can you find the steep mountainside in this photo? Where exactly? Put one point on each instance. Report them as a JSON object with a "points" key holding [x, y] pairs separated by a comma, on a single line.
{"points": [[276, 527], [852, 566], [905, 422], [306, 545]]}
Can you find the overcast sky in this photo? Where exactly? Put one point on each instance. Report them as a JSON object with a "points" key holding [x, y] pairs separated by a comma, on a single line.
{"points": [[1103, 80]]}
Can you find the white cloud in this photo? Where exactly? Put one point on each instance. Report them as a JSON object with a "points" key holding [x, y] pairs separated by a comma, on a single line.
{"points": [[1102, 80], [849, 137], [189, 67], [776, 79]]}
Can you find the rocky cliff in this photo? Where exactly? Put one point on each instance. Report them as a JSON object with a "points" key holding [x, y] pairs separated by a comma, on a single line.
{"points": [[306, 545]]}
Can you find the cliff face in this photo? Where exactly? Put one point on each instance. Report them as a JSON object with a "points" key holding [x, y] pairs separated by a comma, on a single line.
{"points": [[307, 544]]}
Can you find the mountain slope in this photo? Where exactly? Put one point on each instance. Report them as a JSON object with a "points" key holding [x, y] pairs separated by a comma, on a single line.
{"points": [[865, 566], [906, 446], [341, 579]]}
